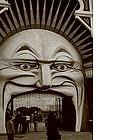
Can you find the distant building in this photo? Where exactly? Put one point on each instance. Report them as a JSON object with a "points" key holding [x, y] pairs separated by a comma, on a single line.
{"points": [[42, 101]]}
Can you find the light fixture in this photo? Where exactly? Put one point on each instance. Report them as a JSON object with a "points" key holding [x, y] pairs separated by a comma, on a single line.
{"points": [[85, 14]]}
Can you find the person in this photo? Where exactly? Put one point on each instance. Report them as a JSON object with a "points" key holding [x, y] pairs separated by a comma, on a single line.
{"points": [[8, 114], [40, 118], [10, 128], [27, 123], [45, 121], [17, 121], [23, 124], [52, 131], [35, 121]]}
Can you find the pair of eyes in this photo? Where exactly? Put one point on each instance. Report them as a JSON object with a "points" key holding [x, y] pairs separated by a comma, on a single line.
{"points": [[56, 66]]}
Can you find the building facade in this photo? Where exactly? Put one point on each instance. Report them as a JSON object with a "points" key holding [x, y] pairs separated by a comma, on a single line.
{"points": [[45, 102]]}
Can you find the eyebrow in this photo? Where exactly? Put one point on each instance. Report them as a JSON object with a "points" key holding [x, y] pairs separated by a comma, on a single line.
{"points": [[24, 47], [61, 50], [27, 47]]}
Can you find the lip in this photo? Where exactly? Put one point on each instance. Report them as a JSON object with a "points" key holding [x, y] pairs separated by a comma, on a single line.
{"points": [[64, 90]]}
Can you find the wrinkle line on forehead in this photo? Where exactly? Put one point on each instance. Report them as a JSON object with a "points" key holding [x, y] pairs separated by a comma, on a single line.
{"points": [[26, 47]]}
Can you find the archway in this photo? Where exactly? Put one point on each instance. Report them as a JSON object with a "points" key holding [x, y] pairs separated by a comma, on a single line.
{"points": [[63, 108]]}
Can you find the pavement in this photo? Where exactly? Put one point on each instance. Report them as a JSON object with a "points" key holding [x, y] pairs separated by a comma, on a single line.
{"points": [[41, 134]]}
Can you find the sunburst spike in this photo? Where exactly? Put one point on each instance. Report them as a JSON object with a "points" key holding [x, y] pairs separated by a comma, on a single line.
{"points": [[69, 29], [66, 22], [3, 33], [5, 26], [26, 15], [32, 16], [86, 56], [84, 46], [20, 17], [55, 17], [14, 19], [62, 17], [50, 16], [10, 23], [81, 41], [78, 36], [85, 51], [37, 16], [43, 15], [74, 32], [88, 65]]}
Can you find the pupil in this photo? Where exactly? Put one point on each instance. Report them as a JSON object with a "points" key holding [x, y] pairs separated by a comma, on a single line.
{"points": [[61, 67], [25, 66]]}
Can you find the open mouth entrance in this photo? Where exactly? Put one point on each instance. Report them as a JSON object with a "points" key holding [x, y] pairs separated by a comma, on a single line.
{"points": [[30, 103]]}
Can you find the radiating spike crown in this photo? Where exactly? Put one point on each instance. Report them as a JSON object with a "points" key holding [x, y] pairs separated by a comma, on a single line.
{"points": [[54, 15]]}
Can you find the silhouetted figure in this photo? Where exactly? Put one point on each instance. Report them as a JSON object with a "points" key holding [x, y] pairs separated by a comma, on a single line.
{"points": [[52, 131], [23, 124], [35, 121], [8, 114], [45, 123], [27, 123], [40, 118], [10, 128], [17, 121]]}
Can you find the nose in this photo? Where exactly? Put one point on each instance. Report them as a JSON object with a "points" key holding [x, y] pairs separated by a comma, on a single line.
{"points": [[44, 77]]}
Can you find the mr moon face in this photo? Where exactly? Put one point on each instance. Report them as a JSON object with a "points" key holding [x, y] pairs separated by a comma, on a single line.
{"points": [[40, 60]]}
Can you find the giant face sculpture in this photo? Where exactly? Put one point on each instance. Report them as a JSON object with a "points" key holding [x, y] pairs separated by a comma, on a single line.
{"points": [[42, 60]]}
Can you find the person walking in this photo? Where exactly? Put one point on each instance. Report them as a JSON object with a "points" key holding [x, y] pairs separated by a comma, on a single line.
{"points": [[10, 128], [52, 131]]}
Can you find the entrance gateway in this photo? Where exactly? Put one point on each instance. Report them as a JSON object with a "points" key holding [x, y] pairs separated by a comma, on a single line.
{"points": [[39, 55], [62, 108]]}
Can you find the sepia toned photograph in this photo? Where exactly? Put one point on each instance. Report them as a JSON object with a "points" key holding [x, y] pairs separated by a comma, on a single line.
{"points": [[46, 70]]}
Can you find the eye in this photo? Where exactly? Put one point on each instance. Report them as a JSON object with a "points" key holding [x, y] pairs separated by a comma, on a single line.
{"points": [[61, 66], [26, 66]]}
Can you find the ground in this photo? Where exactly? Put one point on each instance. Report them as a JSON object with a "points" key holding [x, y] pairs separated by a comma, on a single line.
{"points": [[65, 135]]}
